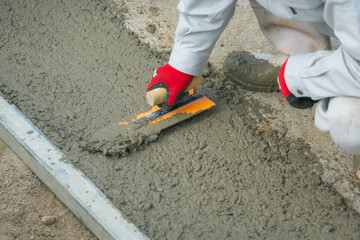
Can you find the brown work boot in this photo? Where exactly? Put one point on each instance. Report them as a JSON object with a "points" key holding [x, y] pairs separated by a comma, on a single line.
{"points": [[255, 72], [356, 164]]}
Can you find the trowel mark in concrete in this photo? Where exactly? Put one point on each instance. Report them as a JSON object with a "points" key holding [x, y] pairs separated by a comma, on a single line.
{"points": [[135, 131], [72, 68], [118, 141]]}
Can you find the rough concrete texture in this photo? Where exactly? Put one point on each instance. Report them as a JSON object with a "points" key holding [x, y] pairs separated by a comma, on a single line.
{"points": [[72, 67], [243, 34]]}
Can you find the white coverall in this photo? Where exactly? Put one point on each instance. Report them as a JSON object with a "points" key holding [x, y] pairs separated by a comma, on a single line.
{"points": [[331, 76]]}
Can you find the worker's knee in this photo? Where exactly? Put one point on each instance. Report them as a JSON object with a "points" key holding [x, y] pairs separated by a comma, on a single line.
{"points": [[287, 36], [340, 117]]}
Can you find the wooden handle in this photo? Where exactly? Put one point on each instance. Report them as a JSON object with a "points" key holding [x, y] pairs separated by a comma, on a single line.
{"points": [[158, 95]]}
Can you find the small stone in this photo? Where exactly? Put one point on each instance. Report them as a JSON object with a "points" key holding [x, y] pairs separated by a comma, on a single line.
{"points": [[329, 177], [151, 28], [197, 166], [154, 10], [327, 228], [3, 206], [48, 220]]}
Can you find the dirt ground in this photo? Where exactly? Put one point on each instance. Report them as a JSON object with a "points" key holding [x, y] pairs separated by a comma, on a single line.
{"points": [[24, 200], [72, 67]]}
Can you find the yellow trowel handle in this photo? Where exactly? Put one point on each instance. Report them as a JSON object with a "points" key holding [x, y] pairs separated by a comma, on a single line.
{"points": [[158, 95]]}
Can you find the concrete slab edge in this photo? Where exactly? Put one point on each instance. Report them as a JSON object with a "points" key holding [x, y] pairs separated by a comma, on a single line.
{"points": [[68, 183]]}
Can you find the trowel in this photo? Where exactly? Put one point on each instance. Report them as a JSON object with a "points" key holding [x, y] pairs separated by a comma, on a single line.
{"points": [[136, 130]]}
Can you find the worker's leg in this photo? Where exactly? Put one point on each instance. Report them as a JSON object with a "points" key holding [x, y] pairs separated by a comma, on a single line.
{"points": [[340, 117], [258, 72], [287, 36]]}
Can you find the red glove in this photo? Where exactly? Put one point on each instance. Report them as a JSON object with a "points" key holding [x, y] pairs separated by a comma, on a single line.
{"points": [[173, 80], [296, 102]]}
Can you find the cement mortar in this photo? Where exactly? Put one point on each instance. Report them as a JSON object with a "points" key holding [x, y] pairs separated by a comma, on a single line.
{"points": [[72, 67], [243, 34]]}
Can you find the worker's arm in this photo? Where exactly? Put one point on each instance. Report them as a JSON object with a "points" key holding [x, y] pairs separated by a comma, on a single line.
{"points": [[200, 24], [324, 74]]}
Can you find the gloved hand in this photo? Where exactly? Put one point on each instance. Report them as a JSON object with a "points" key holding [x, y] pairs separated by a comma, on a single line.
{"points": [[173, 80], [296, 102]]}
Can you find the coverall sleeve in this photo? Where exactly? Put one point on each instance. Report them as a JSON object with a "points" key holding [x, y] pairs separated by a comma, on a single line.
{"points": [[200, 24], [324, 74]]}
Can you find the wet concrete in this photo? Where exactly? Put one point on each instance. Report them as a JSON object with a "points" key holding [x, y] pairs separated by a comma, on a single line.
{"points": [[72, 67], [119, 140], [244, 34]]}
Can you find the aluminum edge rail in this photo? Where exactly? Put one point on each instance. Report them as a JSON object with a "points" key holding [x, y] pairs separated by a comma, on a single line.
{"points": [[69, 184]]}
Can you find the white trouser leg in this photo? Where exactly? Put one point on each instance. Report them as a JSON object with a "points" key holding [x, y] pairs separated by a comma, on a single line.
{"points": [[289, 37], [340, 117]]}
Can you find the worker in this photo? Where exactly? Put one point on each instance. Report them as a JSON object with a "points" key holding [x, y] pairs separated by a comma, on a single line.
{"points": [[299, 29]]}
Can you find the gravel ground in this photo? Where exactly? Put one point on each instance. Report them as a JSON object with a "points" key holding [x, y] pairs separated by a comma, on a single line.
{"points": [[25, 203]]}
